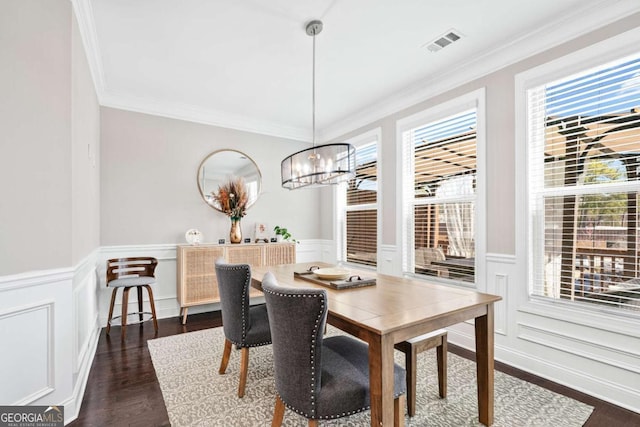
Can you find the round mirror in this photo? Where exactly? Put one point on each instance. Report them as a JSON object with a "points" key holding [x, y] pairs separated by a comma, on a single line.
{"points": [[219, 167]]}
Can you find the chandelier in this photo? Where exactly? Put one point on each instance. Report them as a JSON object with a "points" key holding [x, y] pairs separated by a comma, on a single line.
{"points": [[322, 164]]}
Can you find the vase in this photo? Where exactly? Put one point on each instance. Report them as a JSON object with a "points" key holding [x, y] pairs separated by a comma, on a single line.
{"points": [[235, 235]]}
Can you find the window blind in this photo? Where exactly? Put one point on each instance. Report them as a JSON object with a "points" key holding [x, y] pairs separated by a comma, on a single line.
{"points": [[361, 208], [443, 202], [584, 156]]}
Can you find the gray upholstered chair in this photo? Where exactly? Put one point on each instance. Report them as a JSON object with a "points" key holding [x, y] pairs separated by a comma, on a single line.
{"points": [[244, 325], [317, 377]]}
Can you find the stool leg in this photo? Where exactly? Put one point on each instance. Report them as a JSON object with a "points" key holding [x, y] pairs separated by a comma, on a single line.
{"points": [[411, 363], [153, 307], [139, 289], [125, 303], [113, 301], [441, 354]]}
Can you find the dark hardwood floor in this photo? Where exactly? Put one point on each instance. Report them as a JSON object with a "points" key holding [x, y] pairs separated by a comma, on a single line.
{"points": [[123, 390]]}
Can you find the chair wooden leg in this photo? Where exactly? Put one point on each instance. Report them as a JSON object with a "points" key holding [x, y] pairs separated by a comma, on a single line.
{"points": [[398, 411], [411, 364], [278, 413], [313, 423], [153, 308], [125, 304], [139, 289], [113, 302], [441, 354], [225, 356], [244, 367]]}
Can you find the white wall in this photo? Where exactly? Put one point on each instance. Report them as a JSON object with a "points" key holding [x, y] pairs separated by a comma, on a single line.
{"points": [[149, 187], [35, 141], [49, 217]]}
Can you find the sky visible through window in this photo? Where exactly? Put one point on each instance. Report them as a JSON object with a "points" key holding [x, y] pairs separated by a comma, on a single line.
{"points": [[613, 88], [445, 128], [367, 154]]}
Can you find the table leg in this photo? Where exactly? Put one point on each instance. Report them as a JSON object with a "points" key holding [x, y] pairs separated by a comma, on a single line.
{"points": [[484, 365], [381, 380]]}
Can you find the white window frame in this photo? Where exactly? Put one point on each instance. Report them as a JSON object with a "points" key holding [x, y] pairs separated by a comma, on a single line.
{"points": [[340, 200], [405, 183], [609, 50]]}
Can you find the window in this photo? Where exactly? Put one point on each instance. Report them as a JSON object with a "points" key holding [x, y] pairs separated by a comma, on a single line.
{"points": [[440, 190], [583, 155], [358, 205]]}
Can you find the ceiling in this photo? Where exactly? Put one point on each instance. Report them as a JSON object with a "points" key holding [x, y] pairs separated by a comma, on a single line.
{"points": [[248, 64]]}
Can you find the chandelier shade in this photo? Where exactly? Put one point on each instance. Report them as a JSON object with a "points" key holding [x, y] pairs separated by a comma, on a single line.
{"points": [[322, 164]]}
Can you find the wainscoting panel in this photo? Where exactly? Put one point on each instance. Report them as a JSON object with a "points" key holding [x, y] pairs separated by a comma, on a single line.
{"points": [[313, 250], [500, 269], [85, 313], [37, 334], [27, 338], [387, 262]]}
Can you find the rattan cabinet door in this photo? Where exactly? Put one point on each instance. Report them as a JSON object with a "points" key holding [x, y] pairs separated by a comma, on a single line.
{"points": [[251, 255], [281, 253], [197, 283]]}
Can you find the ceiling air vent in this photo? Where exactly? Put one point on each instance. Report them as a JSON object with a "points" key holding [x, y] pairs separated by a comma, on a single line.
{"points": [[444, 40]]}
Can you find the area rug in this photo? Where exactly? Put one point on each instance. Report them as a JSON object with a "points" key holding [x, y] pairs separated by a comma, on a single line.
{"points": [[196, 395]]}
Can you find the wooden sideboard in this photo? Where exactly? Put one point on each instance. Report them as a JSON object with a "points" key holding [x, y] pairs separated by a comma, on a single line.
{"points": [[196, 273]]}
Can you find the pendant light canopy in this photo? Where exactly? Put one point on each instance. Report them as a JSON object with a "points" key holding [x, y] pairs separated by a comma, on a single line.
{"points": [[323, 164]]}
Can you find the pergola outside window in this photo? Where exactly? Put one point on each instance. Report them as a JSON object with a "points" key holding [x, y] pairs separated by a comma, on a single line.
{"points": [[584, 160]]}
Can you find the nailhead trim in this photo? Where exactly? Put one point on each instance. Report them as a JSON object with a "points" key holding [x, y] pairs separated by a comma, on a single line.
{"points": [[247, 282], [313, 416], [313, 362]]}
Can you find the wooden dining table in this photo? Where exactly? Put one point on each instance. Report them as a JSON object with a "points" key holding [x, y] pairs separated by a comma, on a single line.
{"points": [[394, 310]]}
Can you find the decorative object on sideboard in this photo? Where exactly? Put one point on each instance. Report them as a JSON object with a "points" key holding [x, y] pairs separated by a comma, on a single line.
{"points": [[322, 164], [193, 236], [283, 234], [262, 232], [232, 198]]}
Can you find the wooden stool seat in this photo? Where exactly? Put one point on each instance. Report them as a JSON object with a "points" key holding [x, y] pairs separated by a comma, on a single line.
{"points": [[127, 273], [411, 348]]}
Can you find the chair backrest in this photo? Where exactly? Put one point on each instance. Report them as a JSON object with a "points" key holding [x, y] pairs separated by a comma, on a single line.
{"points": [[120, 268], [297, 318], [233, 285]]}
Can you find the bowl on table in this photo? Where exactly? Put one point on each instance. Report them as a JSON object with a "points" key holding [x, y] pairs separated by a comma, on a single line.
{"points": [[331, 273]]}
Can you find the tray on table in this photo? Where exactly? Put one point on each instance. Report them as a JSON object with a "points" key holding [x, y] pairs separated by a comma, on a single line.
{"points": [[355, 282]]}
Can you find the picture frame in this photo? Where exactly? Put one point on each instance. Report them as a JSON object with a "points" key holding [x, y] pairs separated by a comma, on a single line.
{"points": [[262, 231]]}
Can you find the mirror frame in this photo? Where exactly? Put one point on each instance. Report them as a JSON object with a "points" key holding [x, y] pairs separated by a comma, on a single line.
{"points": [[209, 156]]}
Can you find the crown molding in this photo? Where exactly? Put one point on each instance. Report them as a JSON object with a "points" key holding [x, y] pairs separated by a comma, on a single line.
{"points": [[201, 115], [86, 25], [580, 22]]}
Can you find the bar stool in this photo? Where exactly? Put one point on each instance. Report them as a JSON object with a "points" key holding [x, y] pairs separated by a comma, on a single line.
{"points": [[127, 273], [416, 345]]}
